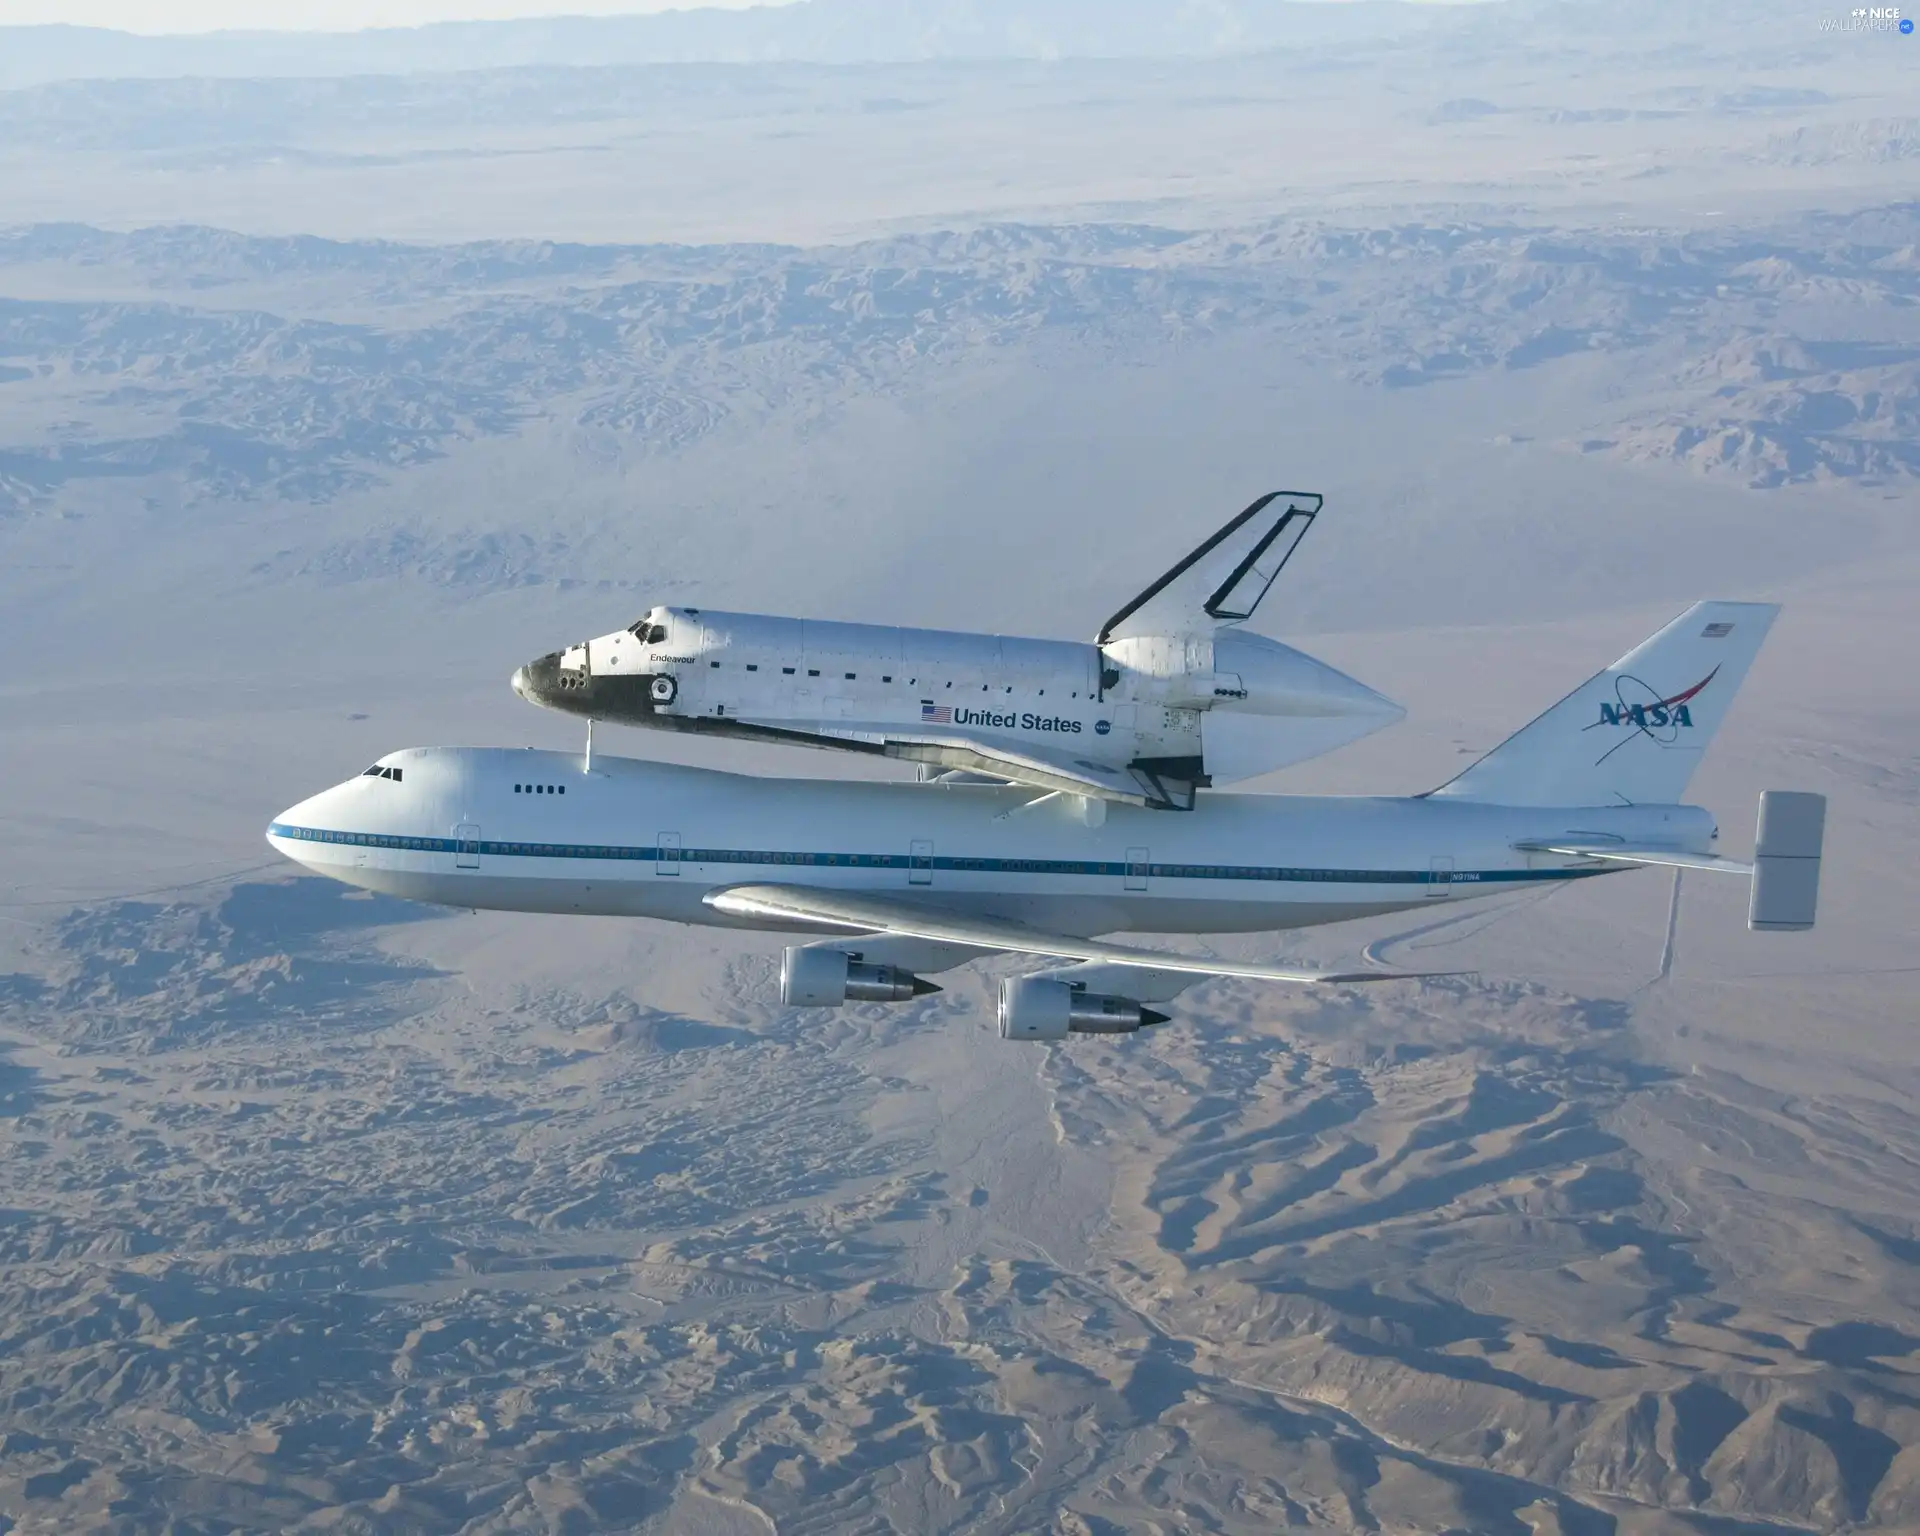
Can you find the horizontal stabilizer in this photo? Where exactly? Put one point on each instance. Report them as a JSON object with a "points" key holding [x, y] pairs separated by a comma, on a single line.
{"points": [[1625, 853], [863, 912], [1786, 861]]}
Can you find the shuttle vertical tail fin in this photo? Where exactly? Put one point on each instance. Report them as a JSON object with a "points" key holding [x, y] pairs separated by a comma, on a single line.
{"points": [[1634, 733], [1222, 581]]}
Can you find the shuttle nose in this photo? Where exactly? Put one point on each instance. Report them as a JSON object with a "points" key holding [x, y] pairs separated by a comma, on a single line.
{"points": [[564, 680], [541, 681]]}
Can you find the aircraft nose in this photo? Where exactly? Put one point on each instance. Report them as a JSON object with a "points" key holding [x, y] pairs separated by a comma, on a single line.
{"points": [[540, 682], [290, 833]]}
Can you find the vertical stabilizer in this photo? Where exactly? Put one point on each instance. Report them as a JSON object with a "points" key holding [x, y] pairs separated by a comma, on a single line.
{"points": [[1633, 734], [1222, 581]]}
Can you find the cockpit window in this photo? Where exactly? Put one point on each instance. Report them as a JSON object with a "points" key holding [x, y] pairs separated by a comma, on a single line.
{"points": [[377, 772]]}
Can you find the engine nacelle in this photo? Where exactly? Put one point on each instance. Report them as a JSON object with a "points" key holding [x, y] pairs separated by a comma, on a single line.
{"points": [[1040, 1008], [826, 978]]}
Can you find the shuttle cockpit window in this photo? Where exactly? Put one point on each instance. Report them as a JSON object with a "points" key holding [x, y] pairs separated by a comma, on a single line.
{"points": [[647, 632]]}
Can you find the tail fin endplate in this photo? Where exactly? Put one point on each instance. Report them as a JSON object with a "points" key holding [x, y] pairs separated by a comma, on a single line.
{"points": [[1634, 733], [1786, 861]]}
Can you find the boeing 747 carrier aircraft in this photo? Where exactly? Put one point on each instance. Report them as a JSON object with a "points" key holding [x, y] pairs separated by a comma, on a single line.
{"points": [[894, 882]]}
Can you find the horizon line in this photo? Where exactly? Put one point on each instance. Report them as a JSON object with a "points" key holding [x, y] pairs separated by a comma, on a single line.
{"points": [[625, 11]]}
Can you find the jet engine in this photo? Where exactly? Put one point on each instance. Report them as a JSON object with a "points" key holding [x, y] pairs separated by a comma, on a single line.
{"points": [[1040, 1008], [826, 978]]}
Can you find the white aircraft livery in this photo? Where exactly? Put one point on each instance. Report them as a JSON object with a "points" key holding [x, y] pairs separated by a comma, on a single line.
{"points": [[1171, 697], [893, 882]]}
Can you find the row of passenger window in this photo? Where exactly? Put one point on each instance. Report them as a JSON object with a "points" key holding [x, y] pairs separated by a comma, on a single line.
{"points": [[380, 840], [539, 789], [895, 861], [1106, 869]]}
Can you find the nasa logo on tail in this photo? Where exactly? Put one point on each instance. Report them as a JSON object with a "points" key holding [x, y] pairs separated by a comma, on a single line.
{"points": [[1660, 720]]}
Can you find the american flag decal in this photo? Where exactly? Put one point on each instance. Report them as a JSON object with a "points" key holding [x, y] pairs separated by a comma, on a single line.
{"points": [[935, 714], [1716, 631]]}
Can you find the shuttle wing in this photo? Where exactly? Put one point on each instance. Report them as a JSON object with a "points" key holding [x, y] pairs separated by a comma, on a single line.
{"points": [[1223, 580], [1027, 763], [865, 913]]}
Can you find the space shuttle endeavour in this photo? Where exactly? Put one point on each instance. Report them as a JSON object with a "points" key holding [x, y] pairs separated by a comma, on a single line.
{"points": [[1170, 697]]}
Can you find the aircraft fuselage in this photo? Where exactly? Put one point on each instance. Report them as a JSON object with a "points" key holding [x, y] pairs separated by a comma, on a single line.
{"points": [[525, 830], [1170, 713]]}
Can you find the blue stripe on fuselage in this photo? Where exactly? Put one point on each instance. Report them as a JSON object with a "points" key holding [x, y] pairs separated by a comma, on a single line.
{"points": [[1116, 869]]}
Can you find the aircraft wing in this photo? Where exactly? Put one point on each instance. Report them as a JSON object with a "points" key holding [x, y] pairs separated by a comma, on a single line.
{"points": [[1025, 764], [866, 913], [1028, 763], [1223, 580]]}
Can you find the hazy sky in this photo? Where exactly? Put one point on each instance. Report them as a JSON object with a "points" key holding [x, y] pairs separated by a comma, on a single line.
{"points": [[321, 15], [315, 15]]}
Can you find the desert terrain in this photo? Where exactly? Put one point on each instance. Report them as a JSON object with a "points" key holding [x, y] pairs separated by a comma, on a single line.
{"points": [[329, 395]]}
